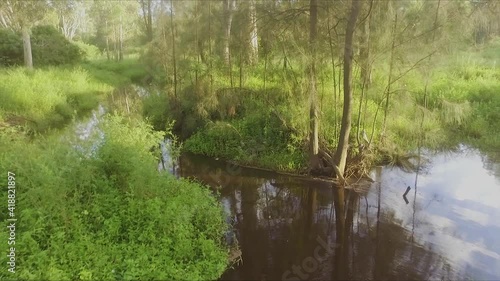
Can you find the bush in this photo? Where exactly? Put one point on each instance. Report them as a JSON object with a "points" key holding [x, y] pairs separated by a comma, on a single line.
{"points": [[155, 108], [89, 52], [11, 48], [50, 47], [109, 215], [219, 139]]}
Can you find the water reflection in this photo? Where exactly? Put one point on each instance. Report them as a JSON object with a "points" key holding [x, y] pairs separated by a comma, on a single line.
{"points": [[449, 230]]}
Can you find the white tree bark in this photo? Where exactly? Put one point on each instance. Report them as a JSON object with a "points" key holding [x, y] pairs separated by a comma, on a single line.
{"points": [[254, 42], [28, 58]]}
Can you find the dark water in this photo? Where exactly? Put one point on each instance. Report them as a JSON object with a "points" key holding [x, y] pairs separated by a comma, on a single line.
{"points": [[291, 229]]}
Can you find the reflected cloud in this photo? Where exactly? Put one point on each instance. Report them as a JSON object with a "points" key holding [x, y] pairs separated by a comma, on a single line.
{"points": [[448, 231]]}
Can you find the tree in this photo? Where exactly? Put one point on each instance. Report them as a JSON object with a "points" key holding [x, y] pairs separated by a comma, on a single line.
{"points": [[147, 16], [22, 16], [313, 93], [174, 58], [229, 6], [254, 41], [72, 16], [115, 23], [345, 128]]}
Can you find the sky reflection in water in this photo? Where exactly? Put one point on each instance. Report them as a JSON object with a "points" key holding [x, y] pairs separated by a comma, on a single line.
{"points": [[449, 229]]}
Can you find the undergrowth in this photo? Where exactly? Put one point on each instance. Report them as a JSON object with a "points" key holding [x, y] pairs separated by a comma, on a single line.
{"points": [[108, 214], [265, 123]]}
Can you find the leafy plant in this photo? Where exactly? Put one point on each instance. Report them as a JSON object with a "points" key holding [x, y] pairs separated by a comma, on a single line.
{"points": [[110, 215]]}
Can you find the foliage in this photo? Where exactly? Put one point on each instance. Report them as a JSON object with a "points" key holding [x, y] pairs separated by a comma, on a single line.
{"points": [[256, 139], [11, 48], [156, 108], [89, 52], [109, 215], [47, 98], [118, 73], [49, 47]]}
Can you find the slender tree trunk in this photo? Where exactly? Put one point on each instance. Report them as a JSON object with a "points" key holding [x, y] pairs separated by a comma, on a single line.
{"points": [[120, 47], [4, 22], [210, 46], [364, 54], [265, 72], [165, 39], [364, 50], [230, 70], [107, 41], [115, 45], [373, 5], [345, 129], [313, 91], [148, 19], [332, 57], [28, 58], [197, 43], [254, 42], [62, 25], [173, 46], [228, 19], [389, 83], [241, 71], [150, 22]]}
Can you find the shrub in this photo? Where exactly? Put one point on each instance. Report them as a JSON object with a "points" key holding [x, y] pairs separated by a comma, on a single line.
{"points": [[109, 215], [11, 48], [50, 47], [89, 52], [156, 108]]}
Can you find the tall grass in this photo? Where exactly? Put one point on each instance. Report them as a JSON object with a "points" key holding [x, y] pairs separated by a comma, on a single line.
{"points": [[47, 98], [119, 73]]}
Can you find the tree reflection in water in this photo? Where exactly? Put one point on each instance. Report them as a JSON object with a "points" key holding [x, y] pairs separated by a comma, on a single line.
{"points": [[279, 219]]}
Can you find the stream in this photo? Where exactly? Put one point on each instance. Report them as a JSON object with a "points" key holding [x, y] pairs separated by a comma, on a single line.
{"points": [[446, 227], [291, 229]]}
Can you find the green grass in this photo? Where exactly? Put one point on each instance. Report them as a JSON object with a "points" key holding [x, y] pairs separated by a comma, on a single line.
{"points": [[255, 140], [47, 98], [118, 73]]}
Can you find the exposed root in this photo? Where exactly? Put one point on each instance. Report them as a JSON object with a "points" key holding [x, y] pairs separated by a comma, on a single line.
{"points": [[357, 166]]}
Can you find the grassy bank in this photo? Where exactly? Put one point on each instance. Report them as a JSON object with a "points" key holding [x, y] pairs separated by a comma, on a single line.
{"points": [[118, 73], [234, 124], [98, 213], [107, 214], [47, 98]]}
